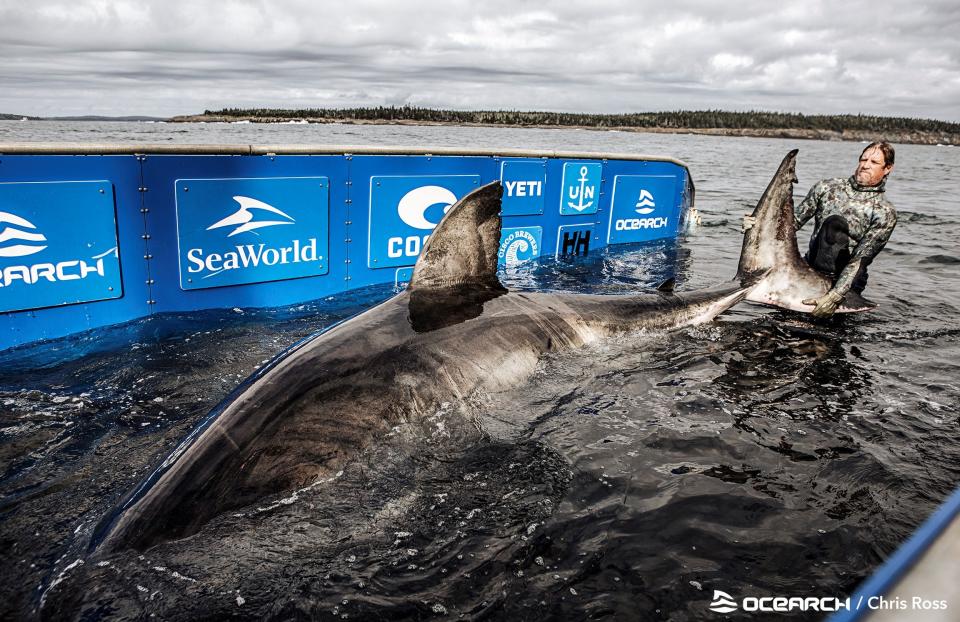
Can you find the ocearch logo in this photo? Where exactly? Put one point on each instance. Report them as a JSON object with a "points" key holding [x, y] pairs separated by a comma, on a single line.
{"points": [[645, 203], [14, 232], [412, 210], [722, 602]]}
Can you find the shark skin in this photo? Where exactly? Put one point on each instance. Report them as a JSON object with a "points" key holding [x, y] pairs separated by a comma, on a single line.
{"points": [[453, 332], [771, 245]]}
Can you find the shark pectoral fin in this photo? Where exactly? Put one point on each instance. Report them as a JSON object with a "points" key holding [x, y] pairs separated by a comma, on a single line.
{"points": [[462, 250], [854, 302], [667, 286]]}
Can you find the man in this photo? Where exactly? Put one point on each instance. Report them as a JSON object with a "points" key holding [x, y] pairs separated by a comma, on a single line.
{"points": [[852, 222]]}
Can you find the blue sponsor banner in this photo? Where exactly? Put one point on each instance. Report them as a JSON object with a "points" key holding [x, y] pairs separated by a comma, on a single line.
{"points": [[523, 187], [238, 231], [574, 240], [643, 208], [404, 210], [580, 191], [402, 276], [58, 244], [519, 244]]}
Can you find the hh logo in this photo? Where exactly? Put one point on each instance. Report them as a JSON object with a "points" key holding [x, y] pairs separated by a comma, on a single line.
{"points": [[239, 231], [518, 245], [722, 602], [580, 192], [640, 211], [574, 240], [58, 244], [403, 212]]}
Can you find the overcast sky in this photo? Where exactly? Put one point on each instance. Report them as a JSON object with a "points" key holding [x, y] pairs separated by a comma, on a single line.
{"points": [[68, 57]]}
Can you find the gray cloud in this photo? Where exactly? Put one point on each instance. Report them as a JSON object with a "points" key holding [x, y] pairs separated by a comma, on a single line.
{"points": [[173, 57]]}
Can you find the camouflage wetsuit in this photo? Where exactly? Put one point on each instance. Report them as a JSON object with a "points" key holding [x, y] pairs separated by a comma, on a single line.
{"points": [[863, 213]]}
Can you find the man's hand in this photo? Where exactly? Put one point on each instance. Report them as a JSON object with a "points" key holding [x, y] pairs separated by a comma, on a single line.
{"points": [[748, 223], [825, 305]]}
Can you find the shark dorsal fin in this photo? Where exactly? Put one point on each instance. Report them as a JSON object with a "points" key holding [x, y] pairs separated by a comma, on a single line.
{"points": [[461, 253], [667, 286]]}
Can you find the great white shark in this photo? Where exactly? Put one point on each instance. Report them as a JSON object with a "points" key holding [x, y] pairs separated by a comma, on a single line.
{"points": [[453, 332]]}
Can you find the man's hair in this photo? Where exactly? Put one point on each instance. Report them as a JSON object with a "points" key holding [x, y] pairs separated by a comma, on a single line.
{"points": [[888, 153]]}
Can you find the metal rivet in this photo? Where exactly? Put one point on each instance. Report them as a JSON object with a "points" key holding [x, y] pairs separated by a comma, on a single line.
{"points": [[102, 191]]}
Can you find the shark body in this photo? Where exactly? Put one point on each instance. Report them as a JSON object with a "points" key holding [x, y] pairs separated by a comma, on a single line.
{"points": [[453, 332]]}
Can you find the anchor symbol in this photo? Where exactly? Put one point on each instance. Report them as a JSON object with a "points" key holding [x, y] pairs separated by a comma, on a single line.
{"points": [[580, 193]]}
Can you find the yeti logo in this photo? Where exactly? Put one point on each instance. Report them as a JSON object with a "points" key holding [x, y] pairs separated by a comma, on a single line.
{"points": [[14, 233]]}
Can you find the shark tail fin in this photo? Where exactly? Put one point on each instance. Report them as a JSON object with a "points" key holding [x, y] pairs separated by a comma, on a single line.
{"points": [[771, 259], [772, 241]]}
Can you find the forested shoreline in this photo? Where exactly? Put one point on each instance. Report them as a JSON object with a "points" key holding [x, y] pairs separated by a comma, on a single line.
{"points": [[753, 123]]}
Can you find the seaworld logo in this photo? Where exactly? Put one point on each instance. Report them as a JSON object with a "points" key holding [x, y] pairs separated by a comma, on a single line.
{"points": [[519, 245], [12, 232], [245, 219], [251, 255]]}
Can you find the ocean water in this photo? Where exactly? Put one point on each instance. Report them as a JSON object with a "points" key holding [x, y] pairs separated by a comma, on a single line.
{"points": [[763, 454]]}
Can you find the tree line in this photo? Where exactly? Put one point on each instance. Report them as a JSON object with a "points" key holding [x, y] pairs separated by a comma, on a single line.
{"points": [[696, 119]]}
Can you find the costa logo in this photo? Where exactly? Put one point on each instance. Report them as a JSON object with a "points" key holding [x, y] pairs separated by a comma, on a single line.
{"points": [[403, 212]]}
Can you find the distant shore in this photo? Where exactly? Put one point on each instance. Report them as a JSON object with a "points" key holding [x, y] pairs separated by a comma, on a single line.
{"points": [[916, 137], [795, 126]]}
